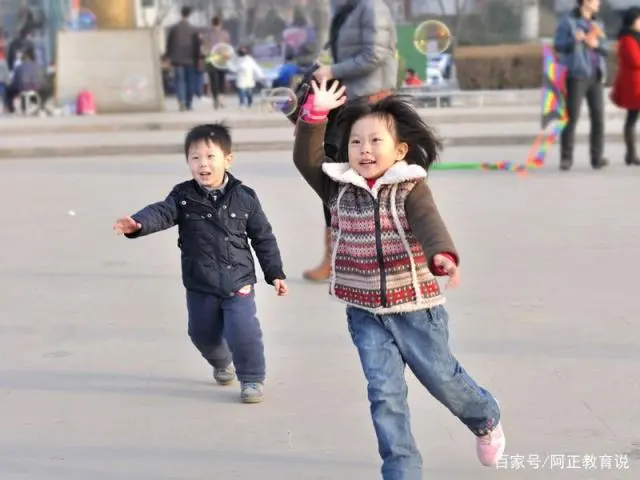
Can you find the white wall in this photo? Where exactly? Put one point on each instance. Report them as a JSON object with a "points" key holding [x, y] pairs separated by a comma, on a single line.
{"points": [[103, 62]]}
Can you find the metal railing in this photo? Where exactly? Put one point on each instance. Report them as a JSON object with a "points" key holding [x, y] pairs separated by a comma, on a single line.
{"points": [[427, 96], [448, 97], [443, 97]]}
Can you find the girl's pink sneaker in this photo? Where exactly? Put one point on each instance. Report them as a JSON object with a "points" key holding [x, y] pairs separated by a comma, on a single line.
{"points": [[490, 447]]}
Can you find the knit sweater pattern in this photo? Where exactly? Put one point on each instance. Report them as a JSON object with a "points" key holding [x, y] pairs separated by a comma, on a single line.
{"points": [[377, 263]]}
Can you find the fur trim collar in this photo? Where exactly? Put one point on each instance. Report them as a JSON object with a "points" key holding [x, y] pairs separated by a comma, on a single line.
{"points": [[400, 172]]}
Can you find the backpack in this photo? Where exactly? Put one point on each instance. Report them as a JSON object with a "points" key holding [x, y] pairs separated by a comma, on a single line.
{"points": [[85, 103]]}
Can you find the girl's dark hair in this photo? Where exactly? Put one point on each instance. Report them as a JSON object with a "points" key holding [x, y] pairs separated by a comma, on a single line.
{"points": [[404, 122]]}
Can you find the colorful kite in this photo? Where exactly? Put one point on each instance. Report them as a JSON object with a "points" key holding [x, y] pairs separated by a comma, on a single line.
{"points": [[554, 119], [554, 111]]}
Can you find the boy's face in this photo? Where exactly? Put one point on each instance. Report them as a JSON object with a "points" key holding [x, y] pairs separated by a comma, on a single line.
{"points": [[373, 148], [208, 163]]}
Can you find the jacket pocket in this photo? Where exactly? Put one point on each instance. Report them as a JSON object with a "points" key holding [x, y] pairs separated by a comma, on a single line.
{"points": [[194, 220], [237, 220]]}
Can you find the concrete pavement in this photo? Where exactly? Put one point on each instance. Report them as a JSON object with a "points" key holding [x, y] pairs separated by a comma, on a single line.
{"points": [[98, 379]]}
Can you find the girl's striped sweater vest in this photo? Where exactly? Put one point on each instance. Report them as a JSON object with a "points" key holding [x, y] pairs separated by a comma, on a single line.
{"points": [[377, 262]]}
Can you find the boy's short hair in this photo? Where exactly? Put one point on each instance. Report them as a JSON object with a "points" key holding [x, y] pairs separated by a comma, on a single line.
{"points": [[216, 133], [185, 12]]}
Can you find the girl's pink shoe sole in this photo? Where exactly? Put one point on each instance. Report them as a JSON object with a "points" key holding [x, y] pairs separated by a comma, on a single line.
{"points": [[490, 447]]}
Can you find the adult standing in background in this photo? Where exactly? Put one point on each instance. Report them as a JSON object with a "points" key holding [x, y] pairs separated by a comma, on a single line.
{"points": [[3, 45], [362, 40], [626, 89], [5, 73], [217, 75], [17, 47], [183, 51], [582, 46]]}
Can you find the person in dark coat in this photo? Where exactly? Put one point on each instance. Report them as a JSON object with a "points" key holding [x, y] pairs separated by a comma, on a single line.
{"points": [[183, 50], [217, 217], [626, 88], [29, 76], [582, 47]]}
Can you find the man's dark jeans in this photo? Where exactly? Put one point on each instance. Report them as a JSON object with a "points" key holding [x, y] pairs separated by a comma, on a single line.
{"points": [[186, 84], [420, 340], [223, 329], [577, 90]]}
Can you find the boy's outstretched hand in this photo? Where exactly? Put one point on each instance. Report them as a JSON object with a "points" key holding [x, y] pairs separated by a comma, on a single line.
{"points": [[126, 225], [449, 266], [281, 287], [327, 99]]}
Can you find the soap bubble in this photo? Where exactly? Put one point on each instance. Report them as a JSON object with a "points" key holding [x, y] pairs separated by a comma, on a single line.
{"points": [[221, 56], [432, 37], [136, 89], [282, 100]]}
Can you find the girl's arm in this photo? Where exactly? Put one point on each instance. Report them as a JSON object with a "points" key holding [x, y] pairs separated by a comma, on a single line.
{"points": [[428, 227], [308, 150]]}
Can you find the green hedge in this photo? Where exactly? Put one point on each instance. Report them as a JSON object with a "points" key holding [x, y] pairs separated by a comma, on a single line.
{"points": [[506, 67]]}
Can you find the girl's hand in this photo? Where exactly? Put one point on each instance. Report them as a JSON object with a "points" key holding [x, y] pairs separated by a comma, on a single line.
{"points": [[449, 266], [126, 225], [324, 99]]}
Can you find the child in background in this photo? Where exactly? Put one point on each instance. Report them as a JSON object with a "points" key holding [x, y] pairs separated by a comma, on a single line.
{"points": [[389, 244], [248, 72], [217, 216], [412, 79]]}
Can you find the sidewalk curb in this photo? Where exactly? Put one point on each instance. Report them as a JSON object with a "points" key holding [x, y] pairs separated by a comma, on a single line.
{"points": [[170, 149], [249, 123]]}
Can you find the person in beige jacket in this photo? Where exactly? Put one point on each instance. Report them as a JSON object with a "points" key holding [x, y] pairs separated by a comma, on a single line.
{"points": [[362, 41]]}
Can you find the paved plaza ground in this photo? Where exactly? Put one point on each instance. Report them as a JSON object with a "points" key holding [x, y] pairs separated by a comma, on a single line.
{"points": [[98, 379]]}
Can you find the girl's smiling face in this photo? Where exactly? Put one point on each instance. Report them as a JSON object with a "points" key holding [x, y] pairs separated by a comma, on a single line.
{"points": [[373, 148]]}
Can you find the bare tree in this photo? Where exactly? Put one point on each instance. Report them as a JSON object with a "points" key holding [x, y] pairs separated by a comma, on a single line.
{"points": [[321, 20], [460, 9], [163, 8], [242, 9]]}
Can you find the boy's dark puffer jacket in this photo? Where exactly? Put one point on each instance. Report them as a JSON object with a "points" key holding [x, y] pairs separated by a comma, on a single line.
{"points": [[214, 241]]}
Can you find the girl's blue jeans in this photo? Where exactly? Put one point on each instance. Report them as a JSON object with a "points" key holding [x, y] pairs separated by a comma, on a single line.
{"points": [[245, 94], [419, 340]]}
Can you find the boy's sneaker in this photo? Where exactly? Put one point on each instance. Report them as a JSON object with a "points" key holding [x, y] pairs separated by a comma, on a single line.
{"points": [[224, 376], [490, 447], [251, 392]]}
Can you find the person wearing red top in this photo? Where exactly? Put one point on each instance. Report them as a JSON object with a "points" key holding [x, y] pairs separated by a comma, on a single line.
{"points": [[3, 44], [626, 89], [412, 78]]}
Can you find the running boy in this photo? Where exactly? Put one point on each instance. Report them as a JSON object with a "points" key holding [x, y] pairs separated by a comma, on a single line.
{"points": [[217, 216], [388, 245]]}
